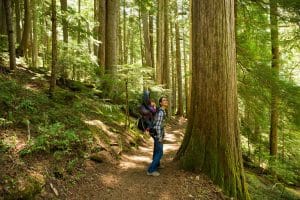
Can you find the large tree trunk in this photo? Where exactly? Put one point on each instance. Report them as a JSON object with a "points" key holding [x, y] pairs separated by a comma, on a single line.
{"points": [[21, 51], [275, 67], [11, 41], [102, 33], [211, 143], [111, 47], [54, 48], [111, 59]]}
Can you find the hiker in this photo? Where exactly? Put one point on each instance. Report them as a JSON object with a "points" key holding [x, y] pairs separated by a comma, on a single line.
{"points": [[147, 111], [158, 137]]}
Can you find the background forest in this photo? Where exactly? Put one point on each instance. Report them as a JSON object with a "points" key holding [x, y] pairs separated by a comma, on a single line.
{"points": [[66, 62]]}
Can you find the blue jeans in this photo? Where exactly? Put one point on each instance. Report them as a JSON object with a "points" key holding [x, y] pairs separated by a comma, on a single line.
{"points": [[157, 155]]}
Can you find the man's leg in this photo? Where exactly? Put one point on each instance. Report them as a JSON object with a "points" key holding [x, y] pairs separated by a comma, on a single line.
{"points": [[158, 152]]}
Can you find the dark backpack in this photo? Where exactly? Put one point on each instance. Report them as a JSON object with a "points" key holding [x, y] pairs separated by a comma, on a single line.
{"points": [[145, 121]]}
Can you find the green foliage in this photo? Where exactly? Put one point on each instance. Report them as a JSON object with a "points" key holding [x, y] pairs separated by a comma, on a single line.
{"points": [[53, 138], [3, 147], [261, 188]]}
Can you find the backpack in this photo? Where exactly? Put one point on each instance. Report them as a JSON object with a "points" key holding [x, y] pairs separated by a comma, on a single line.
{"points": [[147, 113], [146, 119]]}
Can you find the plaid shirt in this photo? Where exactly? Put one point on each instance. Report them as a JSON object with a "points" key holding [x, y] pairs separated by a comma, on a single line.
{"points": [[159, 123]]}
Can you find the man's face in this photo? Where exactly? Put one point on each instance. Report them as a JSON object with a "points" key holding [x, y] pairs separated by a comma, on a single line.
{"points": [[164, 102]]}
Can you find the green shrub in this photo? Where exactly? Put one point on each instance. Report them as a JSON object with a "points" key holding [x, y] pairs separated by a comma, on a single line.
{"points": [[53, 138]]}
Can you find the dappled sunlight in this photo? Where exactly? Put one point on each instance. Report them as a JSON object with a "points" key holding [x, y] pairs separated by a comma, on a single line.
{"points": [[133, 162], [99, 124]]}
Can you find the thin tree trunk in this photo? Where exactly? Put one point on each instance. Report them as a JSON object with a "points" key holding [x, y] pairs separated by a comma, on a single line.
{"points": [[79, 23], [3, 26], [54, 48], [142, 49], [147, 45], [173, 67], [95, 30], [18, 21], [178, 65], [151, 39], [102, 33], [34, 34], [159, 37], [275, 67], [10, 30], [125, 44], [22, 50]]}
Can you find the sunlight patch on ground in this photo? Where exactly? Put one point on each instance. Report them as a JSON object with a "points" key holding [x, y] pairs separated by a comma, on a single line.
{"points": [[170, 147], [131, 161]]}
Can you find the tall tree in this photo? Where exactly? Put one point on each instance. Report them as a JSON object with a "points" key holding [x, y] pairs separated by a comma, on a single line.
{"points": [[64, 9], [111, 36], [54, 47], [3, 25], [102, 32], [147, 44], [211, 143], [10, 30], [22, 49], [79, 23], [34, 54], [275, 67], [178, 63], [18, 21]]}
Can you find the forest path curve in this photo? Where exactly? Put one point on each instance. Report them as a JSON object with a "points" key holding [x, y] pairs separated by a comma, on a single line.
{"points": [[128, 179]]}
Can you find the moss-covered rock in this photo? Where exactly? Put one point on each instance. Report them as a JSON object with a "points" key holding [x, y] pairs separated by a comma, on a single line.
{"points": [[23, 187]]}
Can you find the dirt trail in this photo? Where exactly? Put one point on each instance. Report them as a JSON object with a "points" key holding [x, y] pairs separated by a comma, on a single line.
{"points": [[128, 179]]}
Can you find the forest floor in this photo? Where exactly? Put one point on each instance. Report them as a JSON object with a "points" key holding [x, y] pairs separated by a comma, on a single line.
{"points": [[70, 173], [127, 179]]}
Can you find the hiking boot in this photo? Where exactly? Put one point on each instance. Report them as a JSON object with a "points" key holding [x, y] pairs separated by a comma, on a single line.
{"points": [[155, 173]]}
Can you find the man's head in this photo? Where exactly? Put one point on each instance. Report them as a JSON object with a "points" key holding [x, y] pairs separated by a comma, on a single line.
{"points": [[163, 102]]}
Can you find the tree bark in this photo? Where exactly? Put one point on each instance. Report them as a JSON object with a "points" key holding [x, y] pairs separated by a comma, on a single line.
{"points": [[178, 64], [147, 45], [275, 66], [212, 143], [151, 39], [79, 23], [54, 48], [102, 33], [34, 34], [111, 59], [21, 51], [3, 26], [18, 21], [10, 30]]}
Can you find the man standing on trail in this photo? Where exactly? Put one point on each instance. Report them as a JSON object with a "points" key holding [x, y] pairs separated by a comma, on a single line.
{"points": [[158, 137]]}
